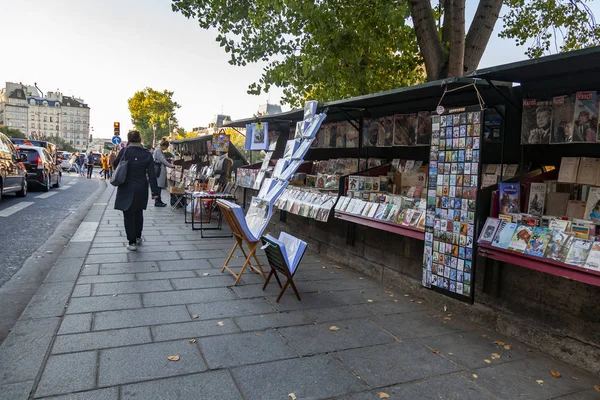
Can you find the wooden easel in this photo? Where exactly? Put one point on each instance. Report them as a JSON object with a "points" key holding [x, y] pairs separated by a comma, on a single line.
{"points": [[240, 239], [277, 263]]}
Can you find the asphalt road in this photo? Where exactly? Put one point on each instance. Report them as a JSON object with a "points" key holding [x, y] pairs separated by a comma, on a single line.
{"points": [[26, 229]]}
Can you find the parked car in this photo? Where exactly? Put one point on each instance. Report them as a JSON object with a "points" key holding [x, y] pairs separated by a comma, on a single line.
{"points": [[13, 178], [51, 147], [41, 167], [63, 158]]}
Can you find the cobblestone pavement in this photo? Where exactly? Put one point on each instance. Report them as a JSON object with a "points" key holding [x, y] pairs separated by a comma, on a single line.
{"points": [[105, 322]]}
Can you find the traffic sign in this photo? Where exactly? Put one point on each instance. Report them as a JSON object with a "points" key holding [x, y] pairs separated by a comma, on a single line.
{"points": [[116, 140]]}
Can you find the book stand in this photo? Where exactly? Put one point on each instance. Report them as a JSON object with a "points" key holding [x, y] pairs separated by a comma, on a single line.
{"points": [[278, 263], [240, 239]]}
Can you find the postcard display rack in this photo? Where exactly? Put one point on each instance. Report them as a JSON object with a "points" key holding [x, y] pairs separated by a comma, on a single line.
{"points": [[249, 229], [450, 225]]}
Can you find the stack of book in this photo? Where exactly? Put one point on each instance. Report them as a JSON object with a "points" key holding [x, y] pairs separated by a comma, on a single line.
{"points": [[306, 203]]}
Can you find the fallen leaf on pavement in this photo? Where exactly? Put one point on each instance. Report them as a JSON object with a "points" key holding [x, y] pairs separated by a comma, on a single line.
{"points": [[257, 334], [447, 319], [192, 340], [406, 295], [205, 274], [194, 317], [173, 358], [507, 346], [484, 336], [389, 293], [370, 301], [337, 267], [334, 328], [360, 277], [395, 300], [555, 374], [420, 302], [539, 381], [487, 361], [220, 323], [499, 343], [475, 376], [575, 378], [495, 356], [324, 267], [597, 388], [115, 295], [383, 395], [412, 300], [292, 396], [435, 352]]}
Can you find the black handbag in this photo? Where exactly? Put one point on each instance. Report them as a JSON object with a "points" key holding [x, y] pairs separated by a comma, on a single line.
{"points": [[120, 174]]}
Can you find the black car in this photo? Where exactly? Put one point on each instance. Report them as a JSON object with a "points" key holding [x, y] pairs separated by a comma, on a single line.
{"points": [[13, 178], [41, 167]]}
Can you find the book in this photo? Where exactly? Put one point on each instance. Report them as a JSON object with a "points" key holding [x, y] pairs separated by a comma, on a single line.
{"points": [[592, 208], [557, 246], [504, 235], [576, 209], [266, 187], [559, 225], [585, 126], [521, 238], [537, 199], [536, 122], [568, 169], [290, 148], [311, 129], [563, 108], [281, 165], [589, 169], [290, 169], [578, 252], [292, 249], [302, 149], [538, 242], [509, 197], [593, 259], [556, 203], [489, 230]]}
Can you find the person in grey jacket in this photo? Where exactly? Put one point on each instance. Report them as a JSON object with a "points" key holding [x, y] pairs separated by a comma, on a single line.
{"points": [[161, 170]]}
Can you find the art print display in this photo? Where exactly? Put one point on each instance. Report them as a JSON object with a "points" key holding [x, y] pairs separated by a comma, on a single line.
{"points": [[536, 125], [562, 120], [370, 132], [386, 132], [450, 225], [423, 128], [585, 119], [220, 142], [405, 129]]}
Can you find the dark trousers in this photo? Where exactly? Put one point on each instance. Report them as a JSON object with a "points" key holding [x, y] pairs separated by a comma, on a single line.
{"points": [[90, 170], [134, 223], [158, 199]]}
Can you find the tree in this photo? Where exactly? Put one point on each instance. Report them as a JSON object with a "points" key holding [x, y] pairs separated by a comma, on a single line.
{"points": [[62, 144], [148, 107], [12, 132], [332, 49]]}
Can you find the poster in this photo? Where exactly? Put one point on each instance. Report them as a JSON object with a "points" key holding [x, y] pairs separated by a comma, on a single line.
{"points": [[220, 142]]}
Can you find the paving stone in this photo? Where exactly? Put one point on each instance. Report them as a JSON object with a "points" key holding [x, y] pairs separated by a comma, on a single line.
{"points": [[101, 340], [215, 244], [75, 250], [100, 394], [244, 348], [590, 394], [106, 278], [143, 276], [208, 385], [12, 391], [82, 290], [140, 317], [96, 245], [339, 313], [90, 269], [235, 308], [518, 379], [68, 373], [342, 284], [128, 268], [65, 270], [319, 274], [395, 363], [272, 290], [417, 325], [113, 250], [203, 282], [309, 301], [316, 377], [187, 297], [273, 320], [49, 300], [104, 303], [75, 323], [390, 307], [167, 238], [470, 350], [313, 339], [253, 278], [184, 265], [447, 387], [153, 256], [360, 296], [106, 258], [109, 239], [195, 329], [103, 289], [148, 361], [202, 254]]}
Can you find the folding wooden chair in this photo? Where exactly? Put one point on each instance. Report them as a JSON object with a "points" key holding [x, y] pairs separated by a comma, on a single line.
{"points": [[278, 263], [240, 239]]}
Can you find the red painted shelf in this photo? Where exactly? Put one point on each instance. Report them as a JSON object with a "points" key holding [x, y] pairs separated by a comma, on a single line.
{"points": [[541, 264], [382, 225]]}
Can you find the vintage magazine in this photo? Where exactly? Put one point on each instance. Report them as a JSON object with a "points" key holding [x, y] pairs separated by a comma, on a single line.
{"points": [[536, 125], [578, 252], [592, 208], [424, 128], [569, 167], [385, 137], [557, 246], [405, 129], [537, 199], [521, 238], [489, 230], [562, 126], [371, 132], [593, 259], [538, 242], [504, 234], [585, 127], [509, 197]]}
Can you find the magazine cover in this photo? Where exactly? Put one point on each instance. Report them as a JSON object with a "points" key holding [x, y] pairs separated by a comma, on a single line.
{"points": [[537, 122], [557, 246], [493, 125], [509, 197], [405, 129], [521, 238], [385, 137], [585, 119], [538, 242], [593, 259], [592, 208], [424, 128], [563, 108], [370, 132], [351, 135], [504, 235], [489, 230], [578, 252], [537, 199]]}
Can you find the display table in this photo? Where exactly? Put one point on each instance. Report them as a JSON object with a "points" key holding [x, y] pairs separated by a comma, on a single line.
{"points": [[205, 205], [382, 225]]}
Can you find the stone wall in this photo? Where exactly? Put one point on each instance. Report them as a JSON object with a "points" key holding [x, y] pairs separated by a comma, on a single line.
{"points": [[557, 315]]}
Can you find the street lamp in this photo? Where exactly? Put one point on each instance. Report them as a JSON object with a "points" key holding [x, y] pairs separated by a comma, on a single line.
{"points": [[154, 126]]}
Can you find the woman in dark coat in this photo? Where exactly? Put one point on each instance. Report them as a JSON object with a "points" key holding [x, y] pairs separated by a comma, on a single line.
{"points": [[132, 195]]}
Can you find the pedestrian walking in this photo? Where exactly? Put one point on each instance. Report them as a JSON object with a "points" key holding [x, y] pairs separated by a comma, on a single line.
{"points": [[111, 162], [161, 170], [132, 195], [90, 166], [105, 168], [73, 162], [81, 163]]}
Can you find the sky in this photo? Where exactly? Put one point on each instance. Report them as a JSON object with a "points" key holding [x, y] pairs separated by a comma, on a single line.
{"points": [[104, 51]]}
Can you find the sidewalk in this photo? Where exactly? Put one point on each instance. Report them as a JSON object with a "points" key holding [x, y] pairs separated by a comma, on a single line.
{"points": [[105, 321]]}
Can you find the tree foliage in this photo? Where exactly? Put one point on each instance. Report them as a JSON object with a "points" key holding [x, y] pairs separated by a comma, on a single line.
{"points": [[12, 132], [332, 49], [62, 144], [321, 50], [148, 107]]}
